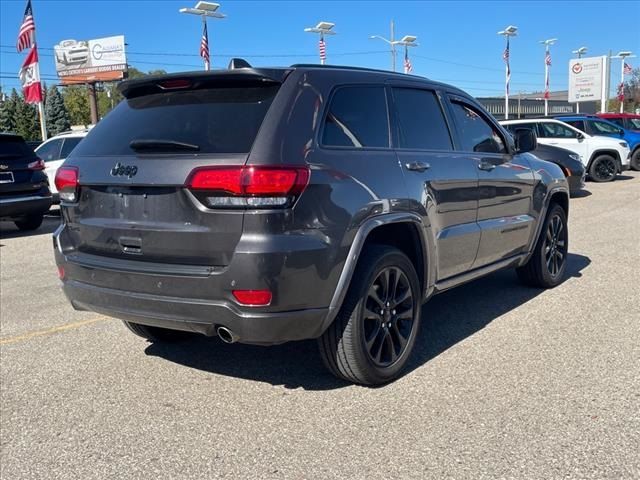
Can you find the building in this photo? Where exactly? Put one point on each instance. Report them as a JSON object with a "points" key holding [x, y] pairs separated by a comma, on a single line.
{"points": [[526, 105]]}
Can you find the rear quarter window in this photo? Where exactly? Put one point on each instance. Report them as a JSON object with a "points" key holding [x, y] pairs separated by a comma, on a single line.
{"points": [[217, 120]]}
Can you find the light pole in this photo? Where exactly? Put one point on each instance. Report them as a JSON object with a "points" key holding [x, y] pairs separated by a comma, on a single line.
{"points": [[547, 63], [323, 28], [510, 31], [204, 10], [407, 41], [581, 51], [622, 56]]}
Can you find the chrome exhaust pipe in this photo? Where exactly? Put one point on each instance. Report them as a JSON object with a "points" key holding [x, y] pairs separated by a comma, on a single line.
{"points": [[226, 335]]}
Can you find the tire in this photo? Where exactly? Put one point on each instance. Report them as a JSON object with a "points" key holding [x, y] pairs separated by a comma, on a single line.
{"points": [[359, 346], [156, 334], [603, 169], [32, 222], [541, 270], [635, 160]]}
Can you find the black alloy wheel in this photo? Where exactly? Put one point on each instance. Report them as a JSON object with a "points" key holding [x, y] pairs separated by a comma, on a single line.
{"points": [[603, 169], [388, 317], [555, 246]]}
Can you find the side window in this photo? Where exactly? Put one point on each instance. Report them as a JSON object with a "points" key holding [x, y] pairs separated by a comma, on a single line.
{"points": [[68, 145], [617, 121], [579, 124], [421, 121], [49, 151], [357, 118], [477, 135], [555, 130], [517, 126], [604, 128]]}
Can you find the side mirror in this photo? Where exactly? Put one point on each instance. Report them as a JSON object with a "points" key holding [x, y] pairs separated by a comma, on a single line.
{"points": [[580, 136], [621, 133], [526, 140]]}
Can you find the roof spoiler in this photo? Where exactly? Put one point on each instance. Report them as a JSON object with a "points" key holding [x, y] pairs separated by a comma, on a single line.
{"points": [[241, 74]]}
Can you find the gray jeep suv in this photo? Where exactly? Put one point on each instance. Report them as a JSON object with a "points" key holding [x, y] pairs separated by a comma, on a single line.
{"points": [[270, 205]]}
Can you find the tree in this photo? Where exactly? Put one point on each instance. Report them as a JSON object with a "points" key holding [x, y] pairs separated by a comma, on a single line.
{"points": [[56, 112], [77, 104], [631, 95], [8, 112], [26, 120]]}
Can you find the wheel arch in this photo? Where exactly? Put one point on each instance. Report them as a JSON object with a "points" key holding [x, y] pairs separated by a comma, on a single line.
{"points": [[597, 153], [404, 231]]}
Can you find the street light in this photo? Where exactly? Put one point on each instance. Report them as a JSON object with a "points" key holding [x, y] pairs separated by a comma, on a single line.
{"points": [[407, 41], [622, 55], [322, 28], [510, 31], [580, 52], [547, 63], [204, 10]]}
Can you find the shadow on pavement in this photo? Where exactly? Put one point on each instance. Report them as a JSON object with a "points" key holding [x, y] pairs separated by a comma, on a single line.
{"points": [[447, 319], [581, 194], [49, 225]]}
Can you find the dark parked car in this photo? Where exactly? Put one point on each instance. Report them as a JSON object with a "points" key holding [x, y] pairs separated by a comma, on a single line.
{"points": [[570, 162], [270, 205], [24, 189]]}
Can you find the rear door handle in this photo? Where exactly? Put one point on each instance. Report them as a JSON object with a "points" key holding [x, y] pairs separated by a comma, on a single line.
{"points": [[486, 166], [417, 166]]}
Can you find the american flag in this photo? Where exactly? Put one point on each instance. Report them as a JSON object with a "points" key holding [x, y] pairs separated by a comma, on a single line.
{"points": [[27, 29], [322, 47], [547, 62], [621, 92], [627, 69], [408, 68], [204, 45], [547, 58], [505, 57]]}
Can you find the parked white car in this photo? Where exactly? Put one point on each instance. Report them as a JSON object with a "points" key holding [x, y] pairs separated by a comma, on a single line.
{"points": [[603, 157], [54, 152]]}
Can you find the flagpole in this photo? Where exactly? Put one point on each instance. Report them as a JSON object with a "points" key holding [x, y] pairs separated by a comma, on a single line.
{"points": [[622, 84], [207, 66], [546, 82], [43, 120]]}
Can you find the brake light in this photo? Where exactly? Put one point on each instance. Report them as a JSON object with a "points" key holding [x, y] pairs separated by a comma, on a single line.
{"points": [[253, 298], [36, 165], [248, 186], [67, 183], [174, 84]]}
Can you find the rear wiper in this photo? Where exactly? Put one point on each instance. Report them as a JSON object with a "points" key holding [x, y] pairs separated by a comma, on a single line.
{"points": [[162, 145]]}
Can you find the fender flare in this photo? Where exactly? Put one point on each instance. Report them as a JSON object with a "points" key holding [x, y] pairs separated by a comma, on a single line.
{"points": [[356, 249]]}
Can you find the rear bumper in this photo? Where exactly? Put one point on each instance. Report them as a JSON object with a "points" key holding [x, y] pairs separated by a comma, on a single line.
{"points": [[199, 299], [15, 207], [200, 316]]}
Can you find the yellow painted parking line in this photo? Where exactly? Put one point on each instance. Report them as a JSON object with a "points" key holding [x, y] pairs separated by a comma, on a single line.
{"points": [[49, 331]]}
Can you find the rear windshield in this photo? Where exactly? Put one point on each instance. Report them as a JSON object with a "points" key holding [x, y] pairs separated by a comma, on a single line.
{"points": [[219, 120], [11, 147]]}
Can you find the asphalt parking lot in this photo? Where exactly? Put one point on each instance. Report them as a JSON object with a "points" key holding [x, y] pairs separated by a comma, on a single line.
{"points": [[506, 382]]}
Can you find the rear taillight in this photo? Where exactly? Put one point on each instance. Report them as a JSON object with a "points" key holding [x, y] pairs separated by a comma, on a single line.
{"points": [[67, 183], [248, 186], [36, 165]]}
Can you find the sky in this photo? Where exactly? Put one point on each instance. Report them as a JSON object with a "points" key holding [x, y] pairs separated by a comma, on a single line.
{"points": [[458, 41]]}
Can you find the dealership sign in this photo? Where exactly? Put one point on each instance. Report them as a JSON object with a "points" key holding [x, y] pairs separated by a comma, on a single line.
{"points": [[587, 79], [82, 61]]}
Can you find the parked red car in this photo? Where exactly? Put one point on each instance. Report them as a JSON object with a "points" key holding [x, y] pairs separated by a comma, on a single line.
{"points": [[630, 121]]}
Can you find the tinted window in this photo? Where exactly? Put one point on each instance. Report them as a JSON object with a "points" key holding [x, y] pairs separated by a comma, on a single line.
{"points": [[604, 128], [12, 146], [634, 123], [555, 130], [579, 124], [617, 121], [68, 145], [217, 120], [516, 126], [477, 135], [49, 151], [421, 122], [358, 118]]}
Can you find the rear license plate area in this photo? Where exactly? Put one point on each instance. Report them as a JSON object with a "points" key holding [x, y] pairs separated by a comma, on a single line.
{"points": [[6, 177]]}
